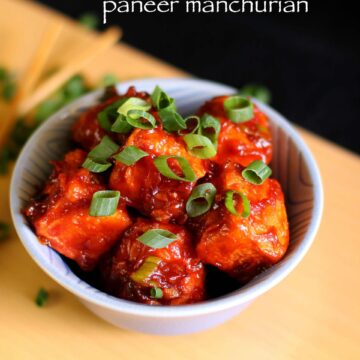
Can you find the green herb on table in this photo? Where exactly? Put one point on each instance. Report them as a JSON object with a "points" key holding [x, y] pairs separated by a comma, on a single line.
{"points": [[89, 20], [7, 85], [41, 297], [259, 92], [108, 80], [4, 231], [71, 90]]}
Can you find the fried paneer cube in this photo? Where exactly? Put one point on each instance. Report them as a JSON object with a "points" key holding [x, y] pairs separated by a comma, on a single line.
{"points": [[174, 269], [144, 188], [60, 215], [242, 247], [87, 131], [241, 143]]}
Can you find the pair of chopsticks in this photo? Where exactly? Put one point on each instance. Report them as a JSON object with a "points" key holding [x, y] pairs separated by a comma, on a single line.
{"points": [[28, 96]]}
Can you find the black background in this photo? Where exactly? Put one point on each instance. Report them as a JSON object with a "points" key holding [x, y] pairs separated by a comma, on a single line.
{"points": [[310, 62]]}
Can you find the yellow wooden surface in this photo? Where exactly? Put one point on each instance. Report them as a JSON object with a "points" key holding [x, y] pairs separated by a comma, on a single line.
{"points": [[313, 314]]}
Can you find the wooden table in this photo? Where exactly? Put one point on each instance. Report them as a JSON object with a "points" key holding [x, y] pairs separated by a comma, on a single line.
{"points": [[313, 314]]}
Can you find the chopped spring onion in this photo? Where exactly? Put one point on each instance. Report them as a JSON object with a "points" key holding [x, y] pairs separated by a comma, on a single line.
{"points": [[135, 118], [104, 203], [200, 146], [107, 116], [157, 238], [210, 127], [192, 124], [133, 103], [201, 199], [257, 172], [146, 269], [161, 163], [4, 231], [121, 125], [230, 205], [104, 150], [256, 91], [96, 165], [156, 293], [239, 109], [172, 121], [161, 100], [130, 155], [96, 160], [41, 297]]}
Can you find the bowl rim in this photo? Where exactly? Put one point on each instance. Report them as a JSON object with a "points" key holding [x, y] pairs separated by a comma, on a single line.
{"points": [[233, 299]]}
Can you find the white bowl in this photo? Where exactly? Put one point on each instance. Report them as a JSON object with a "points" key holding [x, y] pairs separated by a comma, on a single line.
{"points": [[293, 166]]}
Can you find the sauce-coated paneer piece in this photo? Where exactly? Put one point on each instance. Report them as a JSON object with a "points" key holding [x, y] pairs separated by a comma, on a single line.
{"points": [[60, 215], [142, 185], [241, 246], [242, 143], [87, 131], [135, 268]]}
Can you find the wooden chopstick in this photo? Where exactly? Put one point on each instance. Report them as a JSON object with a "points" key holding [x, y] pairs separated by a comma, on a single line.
{"points": [[29, 79], [49, 86], [38, 62]]}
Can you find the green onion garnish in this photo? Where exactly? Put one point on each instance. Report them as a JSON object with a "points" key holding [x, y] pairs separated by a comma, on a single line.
{"points": [[256, 91], [96, 160], [133, 103], [172, 121], [192, 124], [201, 199], [4, 231], [161, 163], [121, 125], [96, 165], [161, 100], [157, 238], [146, 269], [200, 146], [210, 127], [156, 293], [135, 118], [41, 297], [104, 203], [229, 203], [104, 149], [107, 116], [257, 172], [130, 155], [239, 109]]}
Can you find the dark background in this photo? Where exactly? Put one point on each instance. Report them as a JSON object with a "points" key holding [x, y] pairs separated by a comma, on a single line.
{"points": [[310, 62]]}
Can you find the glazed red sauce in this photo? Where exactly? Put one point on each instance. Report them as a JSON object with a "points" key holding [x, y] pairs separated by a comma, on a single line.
{"points": [[108, 247], [241, 143], [179, 274]]}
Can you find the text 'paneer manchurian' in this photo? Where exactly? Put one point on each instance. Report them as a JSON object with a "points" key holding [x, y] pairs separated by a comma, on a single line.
{"points": [[149, 199]]}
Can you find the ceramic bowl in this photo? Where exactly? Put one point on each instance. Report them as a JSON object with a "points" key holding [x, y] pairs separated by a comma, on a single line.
{"points": [[293, 165]]}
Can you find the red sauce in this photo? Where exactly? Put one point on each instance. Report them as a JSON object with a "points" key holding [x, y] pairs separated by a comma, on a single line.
{"points": [[108, 246]]}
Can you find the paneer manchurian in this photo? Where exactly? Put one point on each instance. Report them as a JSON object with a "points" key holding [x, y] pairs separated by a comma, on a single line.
{"points": [[148, 200]]}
